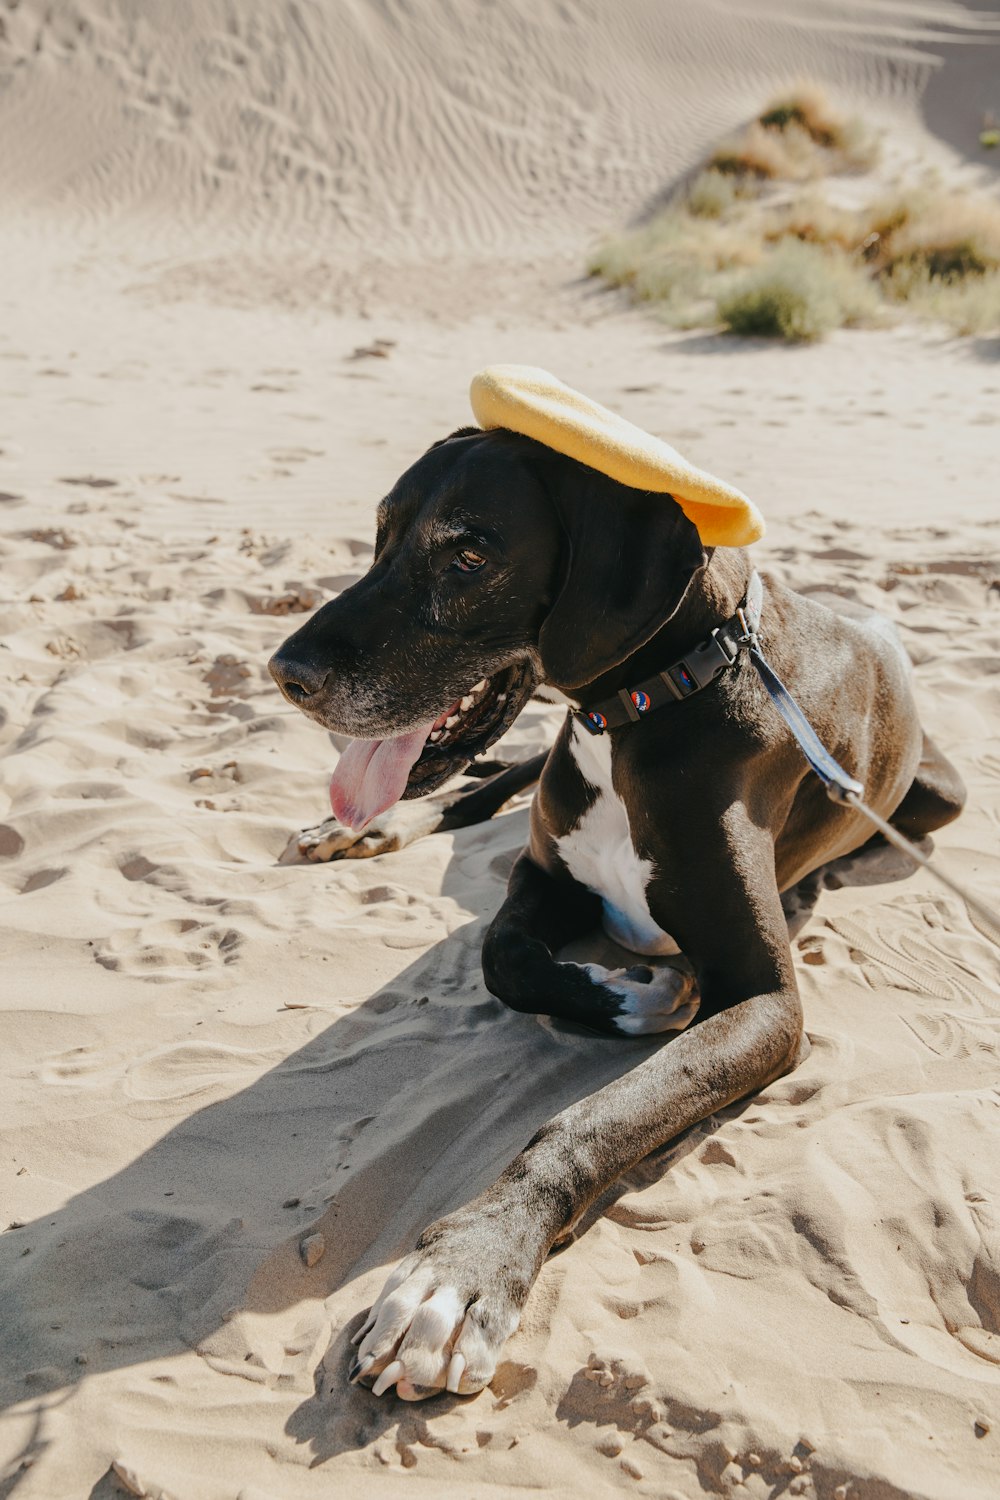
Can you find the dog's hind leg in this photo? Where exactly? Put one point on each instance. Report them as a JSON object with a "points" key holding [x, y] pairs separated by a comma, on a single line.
{"points": [[936, 796], [541, 915], [474, 801]]}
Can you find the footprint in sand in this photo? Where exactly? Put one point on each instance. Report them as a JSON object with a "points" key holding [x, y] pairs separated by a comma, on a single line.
{"points": [[165, 950], [182, 1070]]}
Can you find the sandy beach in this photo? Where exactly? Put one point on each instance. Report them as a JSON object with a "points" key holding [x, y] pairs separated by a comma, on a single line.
{"points": [[251, 258]]}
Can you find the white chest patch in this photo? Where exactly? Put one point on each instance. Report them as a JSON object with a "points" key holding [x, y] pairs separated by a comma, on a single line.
{"points": [[599, 853]]}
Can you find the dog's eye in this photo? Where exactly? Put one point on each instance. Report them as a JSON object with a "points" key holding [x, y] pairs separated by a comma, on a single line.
{"points": [[468, 561]]}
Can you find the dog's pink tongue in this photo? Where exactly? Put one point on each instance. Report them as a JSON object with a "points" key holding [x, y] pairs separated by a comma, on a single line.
{"points": [[371, 776]]}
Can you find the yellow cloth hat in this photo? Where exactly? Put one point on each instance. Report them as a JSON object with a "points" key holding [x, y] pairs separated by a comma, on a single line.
{"points": [[537, 405]]}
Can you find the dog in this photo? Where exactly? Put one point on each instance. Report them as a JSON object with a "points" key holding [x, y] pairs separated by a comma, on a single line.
{"points": [[502, 567]]}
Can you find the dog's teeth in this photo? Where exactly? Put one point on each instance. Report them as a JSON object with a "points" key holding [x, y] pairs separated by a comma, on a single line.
{"points": [[480, 686], [467, 703], [436, 734], [501, 697], [450, 723]]}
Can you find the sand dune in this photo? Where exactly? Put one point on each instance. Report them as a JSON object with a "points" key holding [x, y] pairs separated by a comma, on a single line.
{"points": [[211, 1057], [419, 131]]}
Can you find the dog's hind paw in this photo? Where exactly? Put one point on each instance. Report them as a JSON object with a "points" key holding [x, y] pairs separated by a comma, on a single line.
{"points": [[649, 1000]]}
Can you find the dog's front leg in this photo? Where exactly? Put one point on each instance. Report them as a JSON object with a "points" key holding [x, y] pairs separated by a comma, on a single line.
{"points": [[445, 1313], [461, 806]]}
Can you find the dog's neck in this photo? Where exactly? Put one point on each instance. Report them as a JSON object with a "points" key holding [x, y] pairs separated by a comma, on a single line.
{"points": [[713, 596]]}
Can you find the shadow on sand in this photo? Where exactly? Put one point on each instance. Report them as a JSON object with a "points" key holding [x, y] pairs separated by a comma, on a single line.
{"points": [[399, 1111]]}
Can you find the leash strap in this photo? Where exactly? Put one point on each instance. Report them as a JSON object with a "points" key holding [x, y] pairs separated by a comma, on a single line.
{"points": [[841, 787], [839, 784]]}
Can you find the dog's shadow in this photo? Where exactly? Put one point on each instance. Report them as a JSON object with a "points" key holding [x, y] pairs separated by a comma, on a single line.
{"points": [[339, 1418], [399, 1111]]}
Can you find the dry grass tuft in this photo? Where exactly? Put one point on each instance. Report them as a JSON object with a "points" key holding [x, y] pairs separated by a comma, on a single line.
{"points": [[799, 292], [788, 297], [711, 194], [948, 237], [766, 154], [797, 137], [754, 244], [809, 110]]}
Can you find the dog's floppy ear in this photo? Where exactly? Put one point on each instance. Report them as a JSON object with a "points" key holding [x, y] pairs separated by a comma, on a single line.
{"points": [[630, 556]]}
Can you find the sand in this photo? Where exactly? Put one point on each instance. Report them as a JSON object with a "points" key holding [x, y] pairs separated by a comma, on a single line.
{"points": [[250, 259]]}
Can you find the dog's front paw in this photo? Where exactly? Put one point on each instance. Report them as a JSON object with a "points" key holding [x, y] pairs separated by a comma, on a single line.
{"points": [[331, 840], [392, 830], [445, 1313]]}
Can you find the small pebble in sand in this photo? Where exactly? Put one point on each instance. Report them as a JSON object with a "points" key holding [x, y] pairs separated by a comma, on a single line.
{"points": [[631, 1469], [980, 1427], [312, 1249], [753, 1459], [610, 1446]]}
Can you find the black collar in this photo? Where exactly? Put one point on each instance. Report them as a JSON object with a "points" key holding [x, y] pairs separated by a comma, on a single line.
{"points": [[694, 671]]}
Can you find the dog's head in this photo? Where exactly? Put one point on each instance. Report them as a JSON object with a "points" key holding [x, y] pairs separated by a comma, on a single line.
{"points": [[499, 564]]}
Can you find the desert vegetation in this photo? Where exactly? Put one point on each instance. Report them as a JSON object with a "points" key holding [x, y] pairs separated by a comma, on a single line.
{"points": [[778, 235]]}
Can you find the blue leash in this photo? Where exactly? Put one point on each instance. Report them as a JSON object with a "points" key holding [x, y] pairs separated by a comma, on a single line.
{"points": [[840, 786]]}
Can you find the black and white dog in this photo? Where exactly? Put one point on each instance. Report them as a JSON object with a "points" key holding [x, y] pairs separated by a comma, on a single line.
{"points": [[501, 565]]}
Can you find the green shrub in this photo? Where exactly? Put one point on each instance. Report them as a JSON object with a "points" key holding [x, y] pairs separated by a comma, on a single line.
{"points": [[790, 296]]}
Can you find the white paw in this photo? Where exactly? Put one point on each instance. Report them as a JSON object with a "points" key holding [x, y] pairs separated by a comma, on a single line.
{"points": [[429, 1332], [666, 1000], [394, 829]]}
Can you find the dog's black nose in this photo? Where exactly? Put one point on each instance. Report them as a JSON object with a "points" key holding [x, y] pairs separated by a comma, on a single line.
{"points": [[298, 680]]}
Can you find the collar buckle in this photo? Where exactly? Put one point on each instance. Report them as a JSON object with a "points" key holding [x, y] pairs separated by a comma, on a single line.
{"points": [[749, 636]]}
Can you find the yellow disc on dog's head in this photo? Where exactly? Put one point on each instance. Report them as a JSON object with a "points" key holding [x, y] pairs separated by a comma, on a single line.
{"points": [[534, 403]]}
